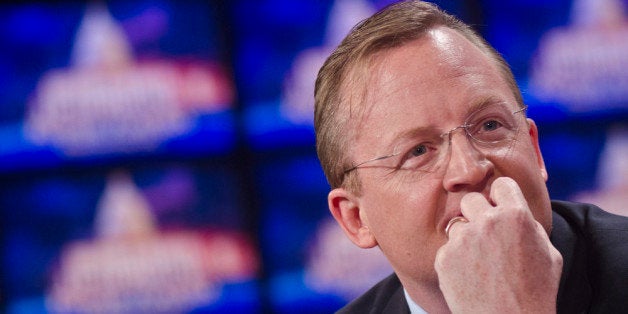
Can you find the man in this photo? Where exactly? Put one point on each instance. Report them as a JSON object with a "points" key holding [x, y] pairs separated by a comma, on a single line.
{"points": [[422, 134]]}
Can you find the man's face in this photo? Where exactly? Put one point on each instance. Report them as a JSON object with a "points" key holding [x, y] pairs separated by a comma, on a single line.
{"points": [[431, 85]]}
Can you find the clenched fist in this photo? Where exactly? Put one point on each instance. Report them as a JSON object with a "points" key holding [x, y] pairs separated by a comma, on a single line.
{"points": [[501, 260]]}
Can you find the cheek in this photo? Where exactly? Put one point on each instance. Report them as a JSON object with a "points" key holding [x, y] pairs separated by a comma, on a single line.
{"points": [[524, 165], [406, 210], [520, 162], [404, 222]]}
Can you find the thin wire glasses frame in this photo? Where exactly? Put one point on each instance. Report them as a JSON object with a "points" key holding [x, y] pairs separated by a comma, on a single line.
{"points": [[466, 126]]}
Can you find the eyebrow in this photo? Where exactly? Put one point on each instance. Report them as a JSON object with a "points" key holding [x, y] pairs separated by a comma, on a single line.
{"points": [[479, 104], [484, 102]]}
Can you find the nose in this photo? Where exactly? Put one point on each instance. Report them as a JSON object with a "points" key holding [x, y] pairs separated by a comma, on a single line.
{"points": [[467, 167]]}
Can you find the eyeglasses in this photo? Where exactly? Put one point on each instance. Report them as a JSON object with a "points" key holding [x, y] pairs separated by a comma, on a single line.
{"points": [[492, 129]]}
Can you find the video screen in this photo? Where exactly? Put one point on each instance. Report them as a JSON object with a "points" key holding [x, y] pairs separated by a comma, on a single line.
{"points": [[85, 81]]}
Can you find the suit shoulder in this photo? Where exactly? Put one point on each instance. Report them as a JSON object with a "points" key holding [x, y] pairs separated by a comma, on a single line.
{"points": [[594, 248], [588, 217], [385, 297]]}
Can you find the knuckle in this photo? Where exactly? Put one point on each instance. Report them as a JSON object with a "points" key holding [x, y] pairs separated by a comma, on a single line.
{"points": [[558, 260], [440, 262]]}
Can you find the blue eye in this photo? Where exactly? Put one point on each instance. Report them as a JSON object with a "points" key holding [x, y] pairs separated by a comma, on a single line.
{"points": [[419, 150], [491, 125], [421, 156]]}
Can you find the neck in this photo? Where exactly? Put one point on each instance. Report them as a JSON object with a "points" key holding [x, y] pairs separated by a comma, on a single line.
{"points": [[426, 294]]}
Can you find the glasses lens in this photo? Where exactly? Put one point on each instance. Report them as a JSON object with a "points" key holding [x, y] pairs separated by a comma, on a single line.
{"points": [[492, 125], [491, 128]]}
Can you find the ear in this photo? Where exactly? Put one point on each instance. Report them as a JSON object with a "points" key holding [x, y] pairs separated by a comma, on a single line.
{"points": [[345, 208], [534, 137]]}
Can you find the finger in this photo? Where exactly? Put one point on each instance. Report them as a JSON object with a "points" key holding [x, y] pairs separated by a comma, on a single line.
{"points": [[557, 257], [458, 220], [473, 204], [506, 191]]}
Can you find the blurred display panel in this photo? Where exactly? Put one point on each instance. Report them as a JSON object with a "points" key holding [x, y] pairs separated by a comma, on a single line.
{"points": [[84, 81], [161, 238]]}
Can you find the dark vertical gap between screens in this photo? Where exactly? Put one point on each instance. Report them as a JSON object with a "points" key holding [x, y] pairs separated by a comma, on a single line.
{"points": [[3, 287], [242, 158], [474, 14]]}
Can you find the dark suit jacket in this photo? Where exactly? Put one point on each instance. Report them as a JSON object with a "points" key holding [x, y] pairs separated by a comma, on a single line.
{"points": [[594, 246]]}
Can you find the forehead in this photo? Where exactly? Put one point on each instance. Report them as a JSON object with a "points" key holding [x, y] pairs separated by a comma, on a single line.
{"points": [[420, 68], [431, 81]]}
